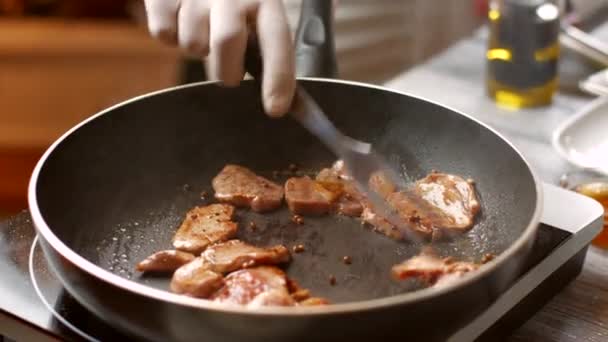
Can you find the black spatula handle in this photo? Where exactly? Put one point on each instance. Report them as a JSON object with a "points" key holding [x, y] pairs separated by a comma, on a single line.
{"points": [[315, 52], [314, 43]]}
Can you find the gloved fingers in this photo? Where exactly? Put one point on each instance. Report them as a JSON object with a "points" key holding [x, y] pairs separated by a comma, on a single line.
{"points": [[162, 19], [228, 40], [193, 27], [278, 80]]}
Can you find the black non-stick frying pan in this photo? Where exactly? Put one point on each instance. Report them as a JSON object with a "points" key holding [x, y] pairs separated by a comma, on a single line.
{"points": [[114, 189]]}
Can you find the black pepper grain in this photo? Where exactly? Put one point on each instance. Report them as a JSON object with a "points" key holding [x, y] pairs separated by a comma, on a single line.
{"points": [[347, 259], [299, 248], [332, 280]]}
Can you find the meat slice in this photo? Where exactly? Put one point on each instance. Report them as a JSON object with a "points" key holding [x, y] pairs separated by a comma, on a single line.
{"points": [[413, 210], [336, 180], [433, 270], [336, 173], [255, 287], [331, 191], [405, 203], [164, 261], [235, 254], [348, 206], [302, 296], [196, 280], [204, 226], [313, 301], [454, 197], [381, 184], [380, 224], [241, 187], [200, 277], [438, 205], [305, 196]]}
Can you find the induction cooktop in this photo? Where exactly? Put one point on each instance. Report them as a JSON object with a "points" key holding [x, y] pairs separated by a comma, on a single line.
{"points": [[35, 306]]}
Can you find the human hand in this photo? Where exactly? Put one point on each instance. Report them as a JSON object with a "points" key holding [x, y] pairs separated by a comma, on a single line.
{"points": [[219, 29]]}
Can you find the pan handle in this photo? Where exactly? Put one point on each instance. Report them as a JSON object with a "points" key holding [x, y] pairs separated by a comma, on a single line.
{"points": [[314, 41]]}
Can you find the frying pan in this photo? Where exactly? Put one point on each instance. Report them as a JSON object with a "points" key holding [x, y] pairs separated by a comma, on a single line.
{"points": [[114, 189]]}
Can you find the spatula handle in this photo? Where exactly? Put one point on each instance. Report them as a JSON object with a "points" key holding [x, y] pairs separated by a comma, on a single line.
{"points": [[314, 43]]}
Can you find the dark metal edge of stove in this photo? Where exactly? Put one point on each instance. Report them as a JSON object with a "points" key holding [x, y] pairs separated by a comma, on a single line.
{"points": [[535, 300], [548, 239]]}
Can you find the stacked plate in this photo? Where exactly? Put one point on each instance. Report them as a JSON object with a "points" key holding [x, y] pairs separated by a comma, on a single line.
{"points": [[583, 138]]}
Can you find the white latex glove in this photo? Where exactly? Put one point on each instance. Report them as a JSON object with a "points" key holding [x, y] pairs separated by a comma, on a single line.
{"points": [[219, 29]]}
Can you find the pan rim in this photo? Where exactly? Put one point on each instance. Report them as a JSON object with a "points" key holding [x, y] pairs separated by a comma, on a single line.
{"points": [[101, 274]]}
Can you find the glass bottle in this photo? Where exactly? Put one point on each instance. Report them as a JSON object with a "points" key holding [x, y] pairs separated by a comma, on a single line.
{"points": [[523, 51]]}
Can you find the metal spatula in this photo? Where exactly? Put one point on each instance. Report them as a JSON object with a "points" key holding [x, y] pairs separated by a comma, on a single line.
{"points": [[359, 157]]}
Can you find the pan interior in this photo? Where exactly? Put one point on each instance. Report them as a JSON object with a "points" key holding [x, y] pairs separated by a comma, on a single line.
{"points": [[116, 189]]}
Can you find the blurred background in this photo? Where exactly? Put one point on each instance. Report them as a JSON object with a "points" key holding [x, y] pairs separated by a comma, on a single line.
{"points": [[63, 60]]}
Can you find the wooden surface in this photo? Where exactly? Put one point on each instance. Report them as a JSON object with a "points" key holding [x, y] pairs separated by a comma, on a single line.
{"points": [[579, 313], [456, 79], [56, 73], [16, 165], [53, 74]]}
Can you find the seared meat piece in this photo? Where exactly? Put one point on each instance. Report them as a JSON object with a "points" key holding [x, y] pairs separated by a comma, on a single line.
{"points": [[432, 269], [200, 278], [440, 204], [164, 261], [243, 188], [379, 183], [453, 196], [380, 224], [195, 280], [302, 295], [254, 287], [297, 293], [407, 206], [234, 254], [305, 196], [332, 190], [349, 207], [204, 226], [336, 180], [314, 301], [422, 216], [410, 208], [336, 173]]}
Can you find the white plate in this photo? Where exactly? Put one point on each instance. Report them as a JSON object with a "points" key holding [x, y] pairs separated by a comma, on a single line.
{"points": [[596, 84], [583, 138]]}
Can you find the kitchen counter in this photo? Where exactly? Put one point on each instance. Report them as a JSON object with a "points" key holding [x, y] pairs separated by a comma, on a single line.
{"points": [[455, 78]]}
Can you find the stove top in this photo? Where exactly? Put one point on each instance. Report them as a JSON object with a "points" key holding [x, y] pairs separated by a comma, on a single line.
{"points": [[36, 307]]}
